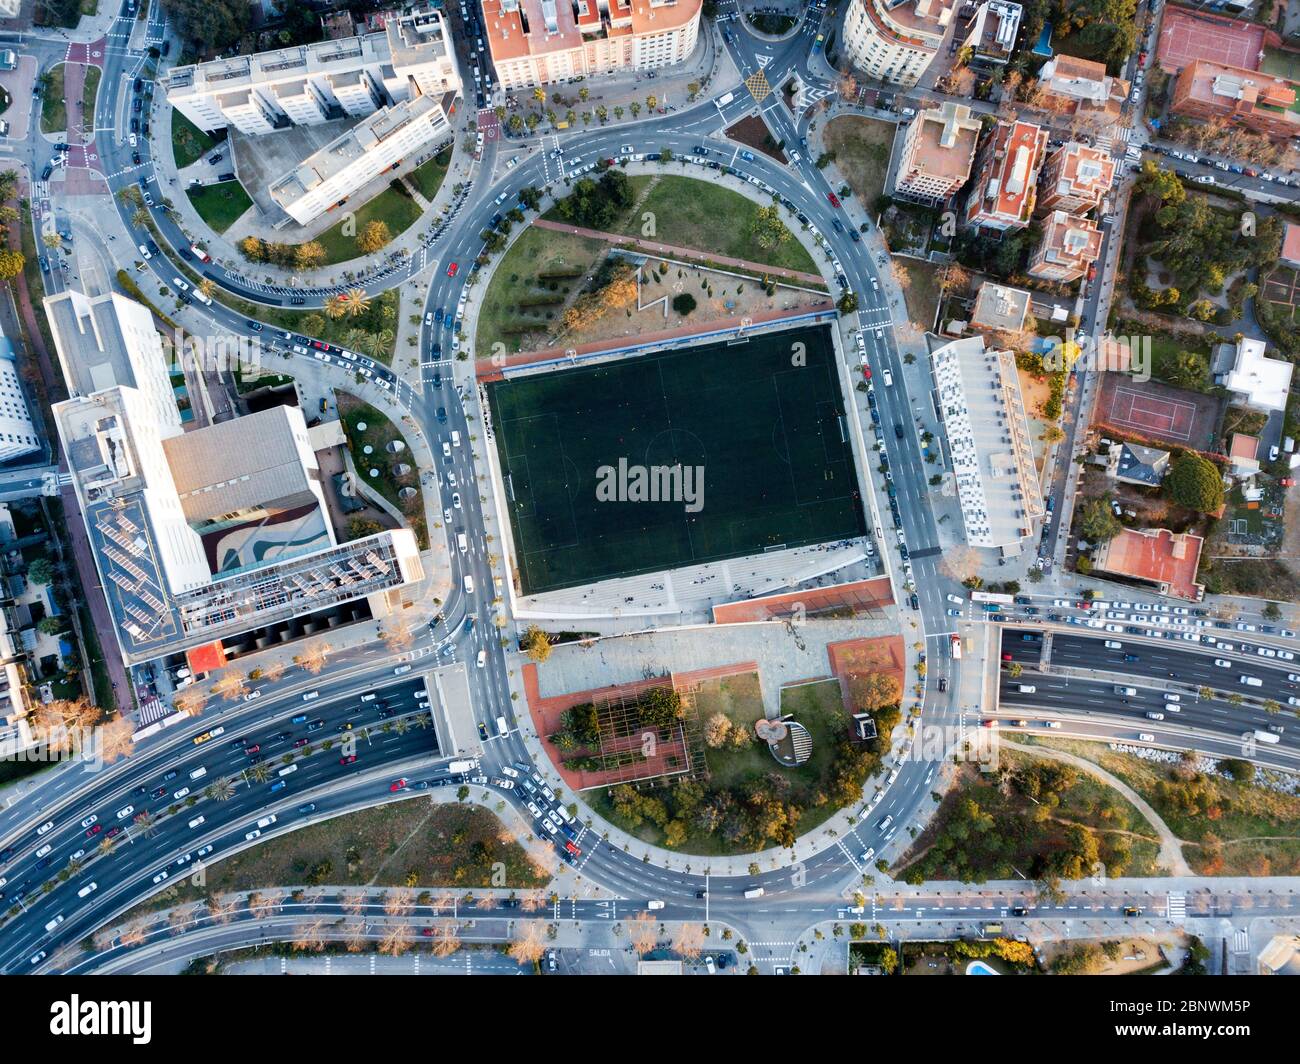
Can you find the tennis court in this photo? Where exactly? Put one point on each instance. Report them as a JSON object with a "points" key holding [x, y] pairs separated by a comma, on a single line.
{"points": [[755, 430], [1158, 412], [1186, 36]]}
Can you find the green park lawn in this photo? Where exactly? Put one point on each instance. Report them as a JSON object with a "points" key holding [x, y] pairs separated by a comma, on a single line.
{"points": [[54, 111], [89, 91], [188, 141], [220, 205], [399, 212], [428, 177]]}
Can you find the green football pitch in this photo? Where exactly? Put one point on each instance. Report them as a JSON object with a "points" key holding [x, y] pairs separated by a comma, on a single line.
{"points": [[762, 419]]}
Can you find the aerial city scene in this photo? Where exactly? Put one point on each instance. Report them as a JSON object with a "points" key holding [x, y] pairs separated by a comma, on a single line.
{"points": [[678, 487]]}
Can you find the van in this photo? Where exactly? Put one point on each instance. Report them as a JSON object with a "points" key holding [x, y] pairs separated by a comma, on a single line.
{"points": [[482, 658], [54, 923], [266, 821], [311, 696], [462, 542], [301, 718], [889, 378], [196, 822], [1130, 692], [956, 600], [754, 892], [455, 438], [198, 773], [708, 963], [565, 815], [1152, 715], [1252, 681], [654, 904], [278, 785], [288, 770], [1146, 737], [369, 697], [503, 729], [1171, 696], [469, 584], [1026, 688]]}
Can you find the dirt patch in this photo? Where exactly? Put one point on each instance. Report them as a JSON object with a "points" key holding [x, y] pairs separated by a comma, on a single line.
{"points": [[752, 131], [861, 147]]}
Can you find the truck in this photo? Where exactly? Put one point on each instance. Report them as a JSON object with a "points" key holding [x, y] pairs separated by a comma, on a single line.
{"points": [[1264, 737], [462, 766], [956, 647]]}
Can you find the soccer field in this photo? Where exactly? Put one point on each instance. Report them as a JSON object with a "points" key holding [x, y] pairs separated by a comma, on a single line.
{"points": [[764, 427]]}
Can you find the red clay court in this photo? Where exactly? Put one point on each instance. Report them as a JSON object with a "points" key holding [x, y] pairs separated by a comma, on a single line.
{"points": [[1186, 36], [1157, 412]]}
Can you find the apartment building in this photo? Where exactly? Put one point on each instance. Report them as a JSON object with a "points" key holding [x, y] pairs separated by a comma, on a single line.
{"points": [[537, 42], [938, 149], [1075, 179], [1262, 103], [991, 36], [1068, 247], [1004, 188], [380, 142], [17, 432], [895, 42], [203, 535], [314, 83], [1076, 85]]}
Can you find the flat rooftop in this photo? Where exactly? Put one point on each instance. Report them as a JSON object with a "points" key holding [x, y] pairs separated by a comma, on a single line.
{"points": [[1156, 556]]}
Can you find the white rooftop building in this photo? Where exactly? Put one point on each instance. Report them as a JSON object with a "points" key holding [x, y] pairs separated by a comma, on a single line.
{"points": [[1263, 382], [17, 431], [988, 439]]}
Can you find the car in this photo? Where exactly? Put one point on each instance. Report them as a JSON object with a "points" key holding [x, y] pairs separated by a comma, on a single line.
{"points": [[452, 267], [37, 957], [1223, 663], [160, 876], [47, 826], [89, 820], [256, 748], [249, 836], [533, 808], [834, 199], [204, 851], [94, 830], [397, 785], [482, 730], [348, 759]]}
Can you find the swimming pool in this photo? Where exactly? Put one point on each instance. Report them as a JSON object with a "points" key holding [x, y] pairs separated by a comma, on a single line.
{"points": [[980, 968]]}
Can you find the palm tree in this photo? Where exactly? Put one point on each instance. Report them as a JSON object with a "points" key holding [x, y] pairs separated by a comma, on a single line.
{"points": [[147, 823], [401, 725], [260, 772], [221, 790], [207, 287], [106, 846], [539, 94], [140, 217], [355, 301], [335, 307], [583, 93]]}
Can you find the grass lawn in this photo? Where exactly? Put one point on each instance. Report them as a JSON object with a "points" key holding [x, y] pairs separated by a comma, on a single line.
{"points": [[711, 219], [536, 251], [1018, 840], [394, 209], [861, 147], [817, 706], [428, 177], [442, 845], [378, 433], [54, 110], [1227, 828], [922, 293], [188, 141], [220, 205], [1165, 348], [89, 91]]}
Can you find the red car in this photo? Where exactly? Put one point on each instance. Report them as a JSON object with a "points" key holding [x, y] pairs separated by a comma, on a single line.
{"points": [[427, 932], [1006, 657], [300, 742], [835, 201], [866, 372], [988, 723], [397, 785], [347, 759], [112, 833], [573, 849], [452, 267], [255, 748], [92, 832]]}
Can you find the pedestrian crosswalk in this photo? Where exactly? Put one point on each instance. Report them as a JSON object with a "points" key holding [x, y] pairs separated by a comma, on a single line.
{"points": [[1177, 906]]}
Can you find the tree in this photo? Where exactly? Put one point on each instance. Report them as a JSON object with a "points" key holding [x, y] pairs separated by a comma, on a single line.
{"points": [[1015, 669], [50, 625], [398, 634], [334, 308], [767, 228], [313, 656], [1272, 612], [309, 254], [40, 571], [231, 685], [847, 303], [528, 946], [1195, 482], [716, 730], [874, 690], [355, 302], [641, 933], [1096, 522], [207, 287], [683, 304], [537, 644], [688, 942], [374, 236], [190, 700], [221, 790]]}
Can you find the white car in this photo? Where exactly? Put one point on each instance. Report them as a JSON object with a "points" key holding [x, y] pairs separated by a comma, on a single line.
{"points": [[47, 826], [532, 808], [1266, 652], [89, 820], [1222, 663], [160, 876], [513, 773], [249, 836]]}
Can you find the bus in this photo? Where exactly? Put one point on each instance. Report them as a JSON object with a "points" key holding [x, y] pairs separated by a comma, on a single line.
{"points": [[956, 647], [989, 596]]}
